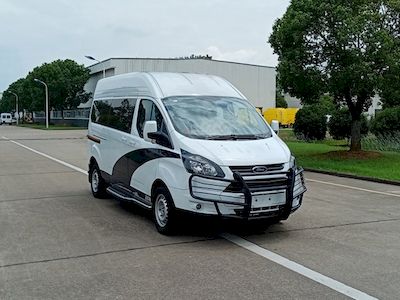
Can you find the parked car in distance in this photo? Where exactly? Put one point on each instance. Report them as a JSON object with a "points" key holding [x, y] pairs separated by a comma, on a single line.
{"points": [[6, 118], [188, 142]]}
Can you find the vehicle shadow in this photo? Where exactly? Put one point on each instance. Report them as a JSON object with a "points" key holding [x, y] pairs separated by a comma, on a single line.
{"points": [[208, 226]]}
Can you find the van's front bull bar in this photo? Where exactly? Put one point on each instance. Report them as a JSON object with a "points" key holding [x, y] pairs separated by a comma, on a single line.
{"points": [[245, 190]]}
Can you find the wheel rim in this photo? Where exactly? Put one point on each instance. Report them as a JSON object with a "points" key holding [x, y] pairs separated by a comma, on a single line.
{"points": [[95, 181], [161, 210]]}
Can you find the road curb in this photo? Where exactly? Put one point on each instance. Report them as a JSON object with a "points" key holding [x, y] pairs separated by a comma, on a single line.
{"points": [[338, 174]]}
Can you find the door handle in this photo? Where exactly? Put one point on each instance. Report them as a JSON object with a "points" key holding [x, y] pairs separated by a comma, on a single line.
{"points": [[124, 139]]}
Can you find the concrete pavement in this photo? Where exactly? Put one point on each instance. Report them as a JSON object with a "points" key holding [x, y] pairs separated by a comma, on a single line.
{"points": [[58, 242]]}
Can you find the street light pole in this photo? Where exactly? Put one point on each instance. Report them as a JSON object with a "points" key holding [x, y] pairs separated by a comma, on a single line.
{"points": [[92, 58], [47, 101], [16, 104]]}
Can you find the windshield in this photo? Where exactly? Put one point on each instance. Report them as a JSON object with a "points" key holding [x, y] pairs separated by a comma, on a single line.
{"points": [[216, 118]]}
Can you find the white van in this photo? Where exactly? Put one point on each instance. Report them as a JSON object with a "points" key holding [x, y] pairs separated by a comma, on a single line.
{"points": [[190, 142], [5, 118]]}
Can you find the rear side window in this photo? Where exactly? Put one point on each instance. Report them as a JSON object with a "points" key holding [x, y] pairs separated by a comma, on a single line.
{"points": [[114, 113], [148, 111]]}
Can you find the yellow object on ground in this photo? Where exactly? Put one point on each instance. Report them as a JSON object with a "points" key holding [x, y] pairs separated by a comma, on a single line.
{"points": [[291, 115], [285, 116]]}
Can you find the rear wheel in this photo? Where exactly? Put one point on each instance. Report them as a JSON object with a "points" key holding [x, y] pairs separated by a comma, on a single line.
{"points": [[164, 213], [97, 183]]}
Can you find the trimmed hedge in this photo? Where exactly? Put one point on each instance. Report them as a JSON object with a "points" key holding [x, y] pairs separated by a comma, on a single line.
{"points": [[310, 123], [386, 122]]}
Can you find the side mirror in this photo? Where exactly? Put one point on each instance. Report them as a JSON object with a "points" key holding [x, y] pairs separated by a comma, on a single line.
{"points": [[149, 127], [275, 126]]}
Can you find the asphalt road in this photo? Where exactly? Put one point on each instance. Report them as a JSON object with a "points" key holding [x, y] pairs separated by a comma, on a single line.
{"points": [[58, 242]]}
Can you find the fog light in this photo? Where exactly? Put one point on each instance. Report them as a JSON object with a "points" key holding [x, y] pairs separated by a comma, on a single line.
{"points": [[198, 206], [296, 201]]}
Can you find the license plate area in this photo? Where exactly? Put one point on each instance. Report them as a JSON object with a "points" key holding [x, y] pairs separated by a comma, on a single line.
{"points": [[266, 200]]}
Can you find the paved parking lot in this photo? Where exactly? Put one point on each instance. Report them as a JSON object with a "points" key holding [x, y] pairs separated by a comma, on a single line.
{"points": [[58, 242]]}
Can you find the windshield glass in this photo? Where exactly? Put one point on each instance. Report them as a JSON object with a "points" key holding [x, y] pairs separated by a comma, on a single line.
{"points": [[215, 118]]}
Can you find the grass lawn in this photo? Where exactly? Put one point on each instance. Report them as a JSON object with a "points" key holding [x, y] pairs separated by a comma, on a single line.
{"points": [[51, 127], [326, 157], [332, 155]]}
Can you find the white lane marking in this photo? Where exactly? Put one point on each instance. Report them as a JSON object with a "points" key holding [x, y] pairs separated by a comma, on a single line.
{"points": [[353, 188], [322, 279], [295, 267], [49, 157]]}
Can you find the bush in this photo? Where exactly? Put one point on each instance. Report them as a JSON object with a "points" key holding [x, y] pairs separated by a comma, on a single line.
{"points": [[310, 123], [387, 122], [340, 124], [281, 102]]}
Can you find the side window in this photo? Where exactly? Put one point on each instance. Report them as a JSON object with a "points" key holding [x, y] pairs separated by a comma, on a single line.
{"points": [[148, 111], [114, 113]]}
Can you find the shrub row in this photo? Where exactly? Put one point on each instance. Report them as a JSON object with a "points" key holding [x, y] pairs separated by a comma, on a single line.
{"points": [[387, 122], [311, 123]]}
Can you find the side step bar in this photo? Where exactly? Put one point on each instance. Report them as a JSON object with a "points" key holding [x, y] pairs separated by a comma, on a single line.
{"points": [[122, 195]]}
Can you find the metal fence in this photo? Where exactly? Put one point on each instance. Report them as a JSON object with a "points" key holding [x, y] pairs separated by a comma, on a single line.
{"points": [[82, 114]]}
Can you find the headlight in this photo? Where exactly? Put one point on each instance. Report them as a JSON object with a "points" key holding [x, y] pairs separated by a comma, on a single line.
{"points": [[197, 164], [292, 162]]}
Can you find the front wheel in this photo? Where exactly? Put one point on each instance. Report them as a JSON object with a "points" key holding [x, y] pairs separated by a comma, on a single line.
{"points": [[164, 211], [97, 183]]}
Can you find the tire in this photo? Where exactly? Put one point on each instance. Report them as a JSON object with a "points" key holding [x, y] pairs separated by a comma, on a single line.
{"points": [[97, 183], [164, 213]]}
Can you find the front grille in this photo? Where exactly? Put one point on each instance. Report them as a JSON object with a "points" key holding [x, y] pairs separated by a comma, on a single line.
{"points": [[260, 185], [250, 170]]}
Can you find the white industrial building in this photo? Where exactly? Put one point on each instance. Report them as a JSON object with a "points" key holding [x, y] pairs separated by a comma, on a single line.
{"points": [[257, 83]]}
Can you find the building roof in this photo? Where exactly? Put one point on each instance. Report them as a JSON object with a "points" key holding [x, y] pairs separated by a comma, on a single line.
{"points": [[180, 59]]}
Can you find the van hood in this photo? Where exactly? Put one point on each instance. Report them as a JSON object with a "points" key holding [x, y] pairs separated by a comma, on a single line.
{"points": [[240, 152]]}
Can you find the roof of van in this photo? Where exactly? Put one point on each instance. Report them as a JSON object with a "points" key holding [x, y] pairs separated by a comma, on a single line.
{"points": [[161, 85]]}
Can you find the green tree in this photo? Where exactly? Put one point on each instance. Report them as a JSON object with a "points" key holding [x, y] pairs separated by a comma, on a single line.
{"points": [[390, 86], [327, 104], [340, 124], [8, 103], [65, 80], [280, 100], [344, 48]]}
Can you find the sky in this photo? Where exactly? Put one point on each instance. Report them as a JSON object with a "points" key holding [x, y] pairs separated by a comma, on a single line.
{"points": [[36, 31]]}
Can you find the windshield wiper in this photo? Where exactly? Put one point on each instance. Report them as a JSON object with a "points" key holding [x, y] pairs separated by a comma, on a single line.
{"points": [[221, 137], [237, 137]]}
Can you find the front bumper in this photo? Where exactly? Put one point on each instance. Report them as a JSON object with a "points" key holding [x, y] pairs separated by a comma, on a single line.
{"points": [[279, 196]]}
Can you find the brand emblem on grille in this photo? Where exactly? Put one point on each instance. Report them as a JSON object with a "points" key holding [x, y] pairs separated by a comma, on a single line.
{"points": [[259, 169]]}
